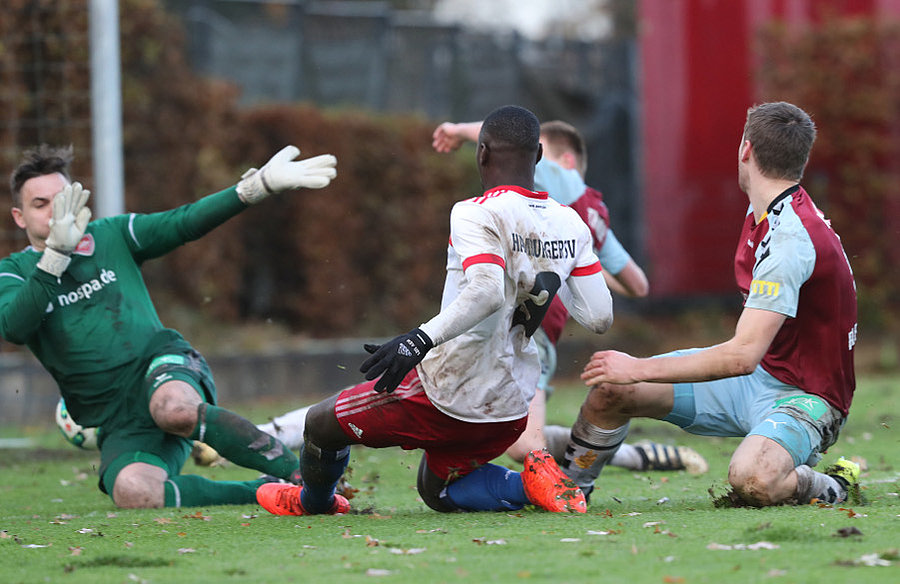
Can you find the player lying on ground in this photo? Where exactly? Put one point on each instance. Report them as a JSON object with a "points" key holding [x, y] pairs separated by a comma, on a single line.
{"points": [[76, 297]]}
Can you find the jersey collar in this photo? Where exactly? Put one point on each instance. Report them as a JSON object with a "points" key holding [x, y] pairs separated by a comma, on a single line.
{"points": [[777, 200], [520, 190]]}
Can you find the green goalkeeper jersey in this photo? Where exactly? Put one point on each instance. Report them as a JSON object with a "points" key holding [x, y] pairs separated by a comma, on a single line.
{"points": [[95, 327]]}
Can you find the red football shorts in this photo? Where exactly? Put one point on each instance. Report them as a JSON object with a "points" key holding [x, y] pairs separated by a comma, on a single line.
{"points": [[407, 418]]}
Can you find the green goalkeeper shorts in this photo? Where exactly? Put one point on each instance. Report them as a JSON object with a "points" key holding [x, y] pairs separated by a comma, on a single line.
{"points": [[133, 436]]}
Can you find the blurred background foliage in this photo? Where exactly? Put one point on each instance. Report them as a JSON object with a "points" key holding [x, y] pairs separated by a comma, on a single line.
{"points": [[364, 256], [847, 71]]}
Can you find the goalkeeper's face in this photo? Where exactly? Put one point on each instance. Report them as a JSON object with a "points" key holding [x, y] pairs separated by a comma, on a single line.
{"points": [[37, 198]]}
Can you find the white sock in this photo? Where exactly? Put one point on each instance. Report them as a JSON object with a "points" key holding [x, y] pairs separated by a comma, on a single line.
{"points": [[288, 428], [589, 449], [815, 485], [557, 438], [627, 456]]}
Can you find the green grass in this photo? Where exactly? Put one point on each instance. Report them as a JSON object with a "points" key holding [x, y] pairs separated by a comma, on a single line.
{"points": [[641, 527]]}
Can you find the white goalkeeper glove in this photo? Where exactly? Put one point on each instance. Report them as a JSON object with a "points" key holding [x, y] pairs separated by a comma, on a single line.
{"points": [[283, 173], [69, 220]]}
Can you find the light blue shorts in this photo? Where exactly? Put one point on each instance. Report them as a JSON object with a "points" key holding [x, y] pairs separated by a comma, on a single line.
{"points": [[757, 404]]}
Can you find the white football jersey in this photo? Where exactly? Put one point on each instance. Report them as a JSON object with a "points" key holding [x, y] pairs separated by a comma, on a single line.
{"points": [[489, 373]]}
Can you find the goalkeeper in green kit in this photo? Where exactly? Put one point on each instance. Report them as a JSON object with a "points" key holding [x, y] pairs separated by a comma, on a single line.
{"points": [[76, 297]]}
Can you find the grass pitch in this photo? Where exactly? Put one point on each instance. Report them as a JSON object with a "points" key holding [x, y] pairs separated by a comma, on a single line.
{"points": [[55, 526]]}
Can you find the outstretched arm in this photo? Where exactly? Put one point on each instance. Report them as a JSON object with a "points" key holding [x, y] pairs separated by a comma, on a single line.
{"points": [[449, 136], [737, 356], [283, 173], [156, 234]]}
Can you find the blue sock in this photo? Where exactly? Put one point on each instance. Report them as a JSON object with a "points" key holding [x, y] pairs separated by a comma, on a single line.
{"points": [[321, 470], [488, 488]]}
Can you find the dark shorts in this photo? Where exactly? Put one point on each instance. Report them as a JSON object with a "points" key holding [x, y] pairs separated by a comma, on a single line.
{"points": [[407, 418], [133, 436]]}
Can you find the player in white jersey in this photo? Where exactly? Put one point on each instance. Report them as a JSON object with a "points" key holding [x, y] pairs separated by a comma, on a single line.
{"points": [[561, 173], [458, 387]]}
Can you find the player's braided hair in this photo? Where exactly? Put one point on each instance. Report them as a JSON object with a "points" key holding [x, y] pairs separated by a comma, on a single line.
{"points": [[39, 161]]}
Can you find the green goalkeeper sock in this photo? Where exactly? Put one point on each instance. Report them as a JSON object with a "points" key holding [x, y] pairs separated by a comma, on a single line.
{"points": [[194, 491], [238, 440]]}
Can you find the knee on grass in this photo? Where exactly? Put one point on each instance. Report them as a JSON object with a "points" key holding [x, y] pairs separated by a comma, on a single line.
{"points": [[755, 487], [137, 488]]}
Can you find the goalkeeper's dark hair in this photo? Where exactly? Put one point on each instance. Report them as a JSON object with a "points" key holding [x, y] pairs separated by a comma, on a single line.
{"points": [[513, 127], [39, 161]]}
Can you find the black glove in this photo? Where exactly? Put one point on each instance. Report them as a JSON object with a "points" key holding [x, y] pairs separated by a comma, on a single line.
{"points": [[395, 359]]}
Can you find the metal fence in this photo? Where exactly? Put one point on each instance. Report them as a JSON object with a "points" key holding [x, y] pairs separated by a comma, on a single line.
{"points": [[366, 55]]}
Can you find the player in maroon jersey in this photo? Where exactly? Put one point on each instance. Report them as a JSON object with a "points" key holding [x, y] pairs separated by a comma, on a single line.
{"points": [[785, 380]]}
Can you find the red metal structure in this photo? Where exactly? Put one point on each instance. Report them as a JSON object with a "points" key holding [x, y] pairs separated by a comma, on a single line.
{"points": [[697, 81]]}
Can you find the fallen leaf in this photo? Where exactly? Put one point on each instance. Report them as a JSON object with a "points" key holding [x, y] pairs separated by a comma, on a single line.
{"points": [[198, 515], [673, 579], [760, 545], [409, 552], [851, 513], [371, 542], [163, 520], [483, 541], [76, 551], [663, 531], [847, 532]]}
